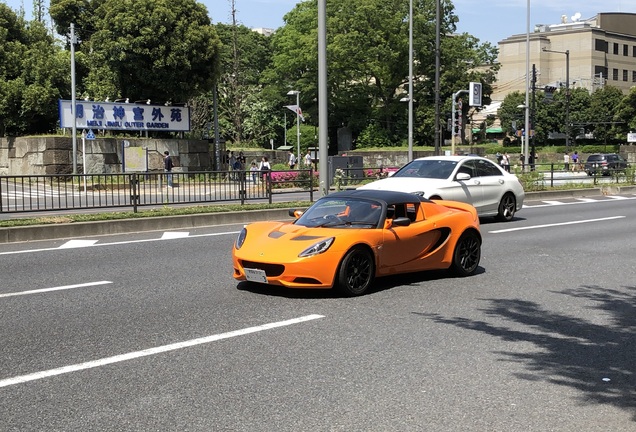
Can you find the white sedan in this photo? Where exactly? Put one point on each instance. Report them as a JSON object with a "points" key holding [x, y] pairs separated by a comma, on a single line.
{"points": [[470, 179]]}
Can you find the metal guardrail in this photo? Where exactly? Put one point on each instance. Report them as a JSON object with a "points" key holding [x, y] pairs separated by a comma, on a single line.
{"points": [[92, 191]]}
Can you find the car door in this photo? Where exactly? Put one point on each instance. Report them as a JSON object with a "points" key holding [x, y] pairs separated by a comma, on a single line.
{"points": [[468, 191], [404, 245], [492, 180]]}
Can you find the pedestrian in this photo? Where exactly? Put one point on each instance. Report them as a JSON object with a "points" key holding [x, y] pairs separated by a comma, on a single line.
{"points": [[566, 161], [292, 160], [254, 172], [239, 165], [532, 158], [575, 161], [231, 166], [264, 167], [308, 159], [167, 167], [505, 161]]}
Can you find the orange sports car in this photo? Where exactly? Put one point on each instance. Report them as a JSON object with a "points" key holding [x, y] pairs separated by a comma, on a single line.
{"points": [[346, 239]]}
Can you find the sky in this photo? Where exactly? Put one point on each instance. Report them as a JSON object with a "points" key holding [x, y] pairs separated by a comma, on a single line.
{"points": [[490, 21]]}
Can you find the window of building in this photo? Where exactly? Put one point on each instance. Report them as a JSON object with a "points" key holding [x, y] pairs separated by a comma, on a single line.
{"points": [[601, 45], [624, 75], [633, 76], [634, 51], [600, 71], [625, 50], [615, 48], [615, 74]]}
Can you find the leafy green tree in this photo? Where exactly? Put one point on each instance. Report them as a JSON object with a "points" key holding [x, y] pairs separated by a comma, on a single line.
{"points": [[626, 114], [34, 74], [244, 55], [144, 49], [368, 63], [602, 109]]}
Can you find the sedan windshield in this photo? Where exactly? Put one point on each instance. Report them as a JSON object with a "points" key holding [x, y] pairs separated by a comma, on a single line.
{"points": [[428, 168]]}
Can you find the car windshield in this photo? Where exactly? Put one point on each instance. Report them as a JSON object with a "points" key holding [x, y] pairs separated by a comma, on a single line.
{"points": [[427, 168], [595, 158], [342, 213]]}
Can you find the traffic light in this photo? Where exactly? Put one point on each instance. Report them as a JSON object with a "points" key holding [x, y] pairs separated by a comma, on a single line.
{"points": [[549, 93], [457, 122]]}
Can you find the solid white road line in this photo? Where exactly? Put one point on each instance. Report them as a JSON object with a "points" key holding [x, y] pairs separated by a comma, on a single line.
{"points": [[555, 224], [151, 351], [60, 288]]}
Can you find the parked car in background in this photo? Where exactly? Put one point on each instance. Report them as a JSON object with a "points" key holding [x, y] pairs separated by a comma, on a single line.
{"points": [[604, 163], [471, 179]]}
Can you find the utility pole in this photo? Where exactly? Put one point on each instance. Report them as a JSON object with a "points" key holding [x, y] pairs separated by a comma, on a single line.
{"points": [[437, 77], [530, 133], [73, 101]]}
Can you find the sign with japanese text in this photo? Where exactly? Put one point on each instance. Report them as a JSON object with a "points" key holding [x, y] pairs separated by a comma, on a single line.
{"points": [[124, 116]]}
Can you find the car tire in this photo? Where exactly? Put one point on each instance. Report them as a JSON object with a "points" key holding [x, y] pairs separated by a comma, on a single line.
{"points": [[356, 271], [467, 254], [507, 207]]}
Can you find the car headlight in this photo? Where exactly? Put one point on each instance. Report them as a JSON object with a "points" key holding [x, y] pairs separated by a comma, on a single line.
{"points": [[317, 248], [241, 239]]}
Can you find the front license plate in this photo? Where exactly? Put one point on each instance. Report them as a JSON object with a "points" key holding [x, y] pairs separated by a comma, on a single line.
{"points": [[255, 275]]}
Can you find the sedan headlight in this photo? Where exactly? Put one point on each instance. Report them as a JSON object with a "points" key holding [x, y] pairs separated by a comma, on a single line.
{"points": [[241, 238], [318, 248]]}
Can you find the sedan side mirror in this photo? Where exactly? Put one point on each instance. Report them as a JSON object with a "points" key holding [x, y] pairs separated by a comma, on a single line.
{"points": [[462, 177]]}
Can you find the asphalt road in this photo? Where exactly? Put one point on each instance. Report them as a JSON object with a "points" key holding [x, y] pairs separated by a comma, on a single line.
{"points": [[160, 337]]}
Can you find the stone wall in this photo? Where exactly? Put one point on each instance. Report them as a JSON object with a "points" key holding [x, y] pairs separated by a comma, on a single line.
{"points": [[54, 155]]}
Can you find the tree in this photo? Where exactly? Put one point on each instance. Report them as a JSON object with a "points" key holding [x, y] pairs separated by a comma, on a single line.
{"points": [[602, 109], [144, 49], [368, 63], [34, 74], [626, 113], [244, 55]]}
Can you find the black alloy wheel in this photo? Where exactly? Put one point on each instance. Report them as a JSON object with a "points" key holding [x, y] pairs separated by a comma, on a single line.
{"points": [[467, 254], [356, 272]]}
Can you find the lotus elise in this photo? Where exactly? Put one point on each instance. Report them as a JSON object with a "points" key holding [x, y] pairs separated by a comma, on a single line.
{"points": [[347, 239]]}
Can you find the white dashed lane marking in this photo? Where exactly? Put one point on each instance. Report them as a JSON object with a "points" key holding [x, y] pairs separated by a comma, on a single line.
{"points": [[71, 244], [152, 351]]}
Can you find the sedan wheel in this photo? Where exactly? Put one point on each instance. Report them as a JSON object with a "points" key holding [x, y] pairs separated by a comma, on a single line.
{"points": [[356, 272], [507, 207], [467, 254]]}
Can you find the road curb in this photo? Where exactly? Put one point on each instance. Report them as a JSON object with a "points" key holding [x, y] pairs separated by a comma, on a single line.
{"points": [[123, 226]]}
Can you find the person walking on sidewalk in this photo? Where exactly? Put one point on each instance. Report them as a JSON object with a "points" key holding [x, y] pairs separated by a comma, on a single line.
{"points": [[167, 167]]}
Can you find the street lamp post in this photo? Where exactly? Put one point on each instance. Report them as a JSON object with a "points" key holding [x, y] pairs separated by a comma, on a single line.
{"points": [[410, 80], [297, 93], [567, 93], [526, 153]]}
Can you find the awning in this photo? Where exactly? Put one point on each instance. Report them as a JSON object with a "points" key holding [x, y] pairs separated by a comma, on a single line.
{"points": [[492, 130]]}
